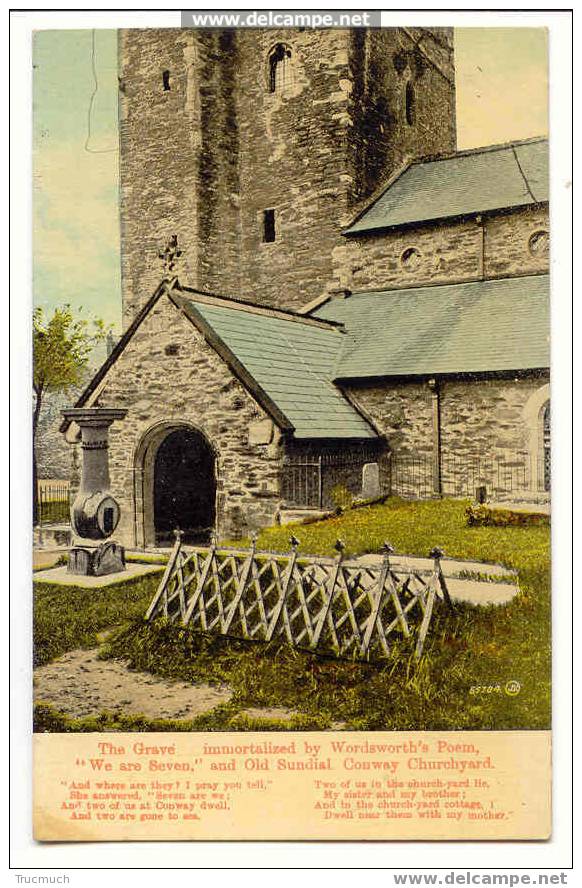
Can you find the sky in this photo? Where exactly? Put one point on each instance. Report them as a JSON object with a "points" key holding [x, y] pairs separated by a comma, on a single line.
{"points": [[501, 81]]}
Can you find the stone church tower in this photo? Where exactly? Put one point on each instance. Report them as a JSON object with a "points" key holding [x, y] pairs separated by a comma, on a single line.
{"points": [[255, 148]]}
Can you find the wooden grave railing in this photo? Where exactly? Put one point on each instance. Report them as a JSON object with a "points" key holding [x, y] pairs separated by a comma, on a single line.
{"points": [[325, 605]]}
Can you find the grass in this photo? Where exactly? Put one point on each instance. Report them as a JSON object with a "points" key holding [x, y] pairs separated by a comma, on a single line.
{"points": [[469, 658], [224, 717], [459, 684], [69, 617]]}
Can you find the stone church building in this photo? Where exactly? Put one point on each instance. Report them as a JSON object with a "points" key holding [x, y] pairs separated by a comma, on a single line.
{"points": [[348, 306]]}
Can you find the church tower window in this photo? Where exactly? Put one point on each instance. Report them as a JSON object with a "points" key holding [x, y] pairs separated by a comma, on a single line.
{"points": [[269, 226], [280, 69], [166, 80], [410, 104], [539, 243]]}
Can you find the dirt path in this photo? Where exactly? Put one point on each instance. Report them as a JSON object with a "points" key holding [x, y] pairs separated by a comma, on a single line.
{"points": [[80, 684]]}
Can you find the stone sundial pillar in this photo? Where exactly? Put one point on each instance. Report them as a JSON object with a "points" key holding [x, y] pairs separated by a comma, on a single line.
{"points": [[95, 513]]}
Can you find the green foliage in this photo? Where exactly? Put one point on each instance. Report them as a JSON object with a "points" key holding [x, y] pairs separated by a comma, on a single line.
{"points": [[485, 516], [47, 719], [61, 348], [69, 617], [341, 497], [414, 527], [54, 512], [466, 654]]}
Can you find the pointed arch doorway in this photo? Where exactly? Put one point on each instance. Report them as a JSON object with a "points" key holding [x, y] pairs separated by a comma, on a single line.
{"points": [[175, 486]]}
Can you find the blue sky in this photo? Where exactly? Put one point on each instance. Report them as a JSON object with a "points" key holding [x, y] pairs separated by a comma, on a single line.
{"points": [[75, 221], [501, 95]]}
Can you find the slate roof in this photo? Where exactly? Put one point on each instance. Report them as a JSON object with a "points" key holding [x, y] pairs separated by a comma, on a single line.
{"points": [[467, 183], [494, 325], [291, 360]]}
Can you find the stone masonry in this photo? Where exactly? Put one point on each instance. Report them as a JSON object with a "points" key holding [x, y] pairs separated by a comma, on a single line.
{"points": [[482, 420], [220, 148], [460, 250], [169, 374], [208, 145]]}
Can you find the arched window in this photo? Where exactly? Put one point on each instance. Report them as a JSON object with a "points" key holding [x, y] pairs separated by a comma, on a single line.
{"points": [[280, 69], [410, 104], [546, 446], [410, 258], [539, 243], [536, 415]]}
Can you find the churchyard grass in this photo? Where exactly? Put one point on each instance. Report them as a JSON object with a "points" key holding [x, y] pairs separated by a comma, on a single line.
{"points": [[460, 683], [69, 617]]}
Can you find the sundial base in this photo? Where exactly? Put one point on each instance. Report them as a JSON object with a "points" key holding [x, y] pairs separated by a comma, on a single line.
{"points": [[97, 561]]}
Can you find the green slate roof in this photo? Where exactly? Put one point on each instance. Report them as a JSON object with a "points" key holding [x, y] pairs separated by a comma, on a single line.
{"points": [[465, 184], [458, 328], [291, 360]]}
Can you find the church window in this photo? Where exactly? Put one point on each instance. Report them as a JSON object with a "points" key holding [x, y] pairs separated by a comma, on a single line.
{"points": [[166, 80], [536, 418], [410, 101], [410, 258], [280, 69], [545, 423], [269, 226], [172, 349], [539, 243]]}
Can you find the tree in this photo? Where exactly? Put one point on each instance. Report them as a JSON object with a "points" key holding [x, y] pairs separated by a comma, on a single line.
{"points": [[62, 346]]}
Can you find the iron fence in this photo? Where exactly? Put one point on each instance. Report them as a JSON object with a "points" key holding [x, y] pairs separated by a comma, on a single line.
{"points": [[412, 475], [54, 502], [310, 480], [302, 483]]}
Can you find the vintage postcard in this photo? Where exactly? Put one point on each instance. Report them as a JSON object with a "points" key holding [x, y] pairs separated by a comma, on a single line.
{"points": [[292, 437]]}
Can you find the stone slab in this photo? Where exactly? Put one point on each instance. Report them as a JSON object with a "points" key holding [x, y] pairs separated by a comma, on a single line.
{"points": [[537, 508], [475, 592], [81, 684], [42, 559], [451, 567], [472, 591], [298, 516], [61, 577], [52, 536]]}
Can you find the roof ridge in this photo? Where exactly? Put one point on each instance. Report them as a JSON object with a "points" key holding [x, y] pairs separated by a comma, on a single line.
{"points": [[480, 149], [452, 283], [237, 304]]}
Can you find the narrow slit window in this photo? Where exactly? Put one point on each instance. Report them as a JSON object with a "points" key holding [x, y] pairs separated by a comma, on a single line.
{"points": [[268, 226], [280, 69], [410, 104], [166, 80]]}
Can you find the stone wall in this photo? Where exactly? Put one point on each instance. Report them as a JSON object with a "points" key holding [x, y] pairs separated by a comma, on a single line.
{"points": [[159, 135], [468, 249], [207, 150], [54, 456], [486, 417], [384, 64], [401, 412], [486, 430], [169, 374]]}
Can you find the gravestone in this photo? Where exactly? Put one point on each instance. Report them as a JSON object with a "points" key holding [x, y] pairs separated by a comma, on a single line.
{"points": [[371, 481]]}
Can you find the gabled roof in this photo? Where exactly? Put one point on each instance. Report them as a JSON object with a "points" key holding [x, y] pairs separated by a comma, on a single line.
{"points": [[464, 184], [291, 361], [481, 326], [284, 359]]}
